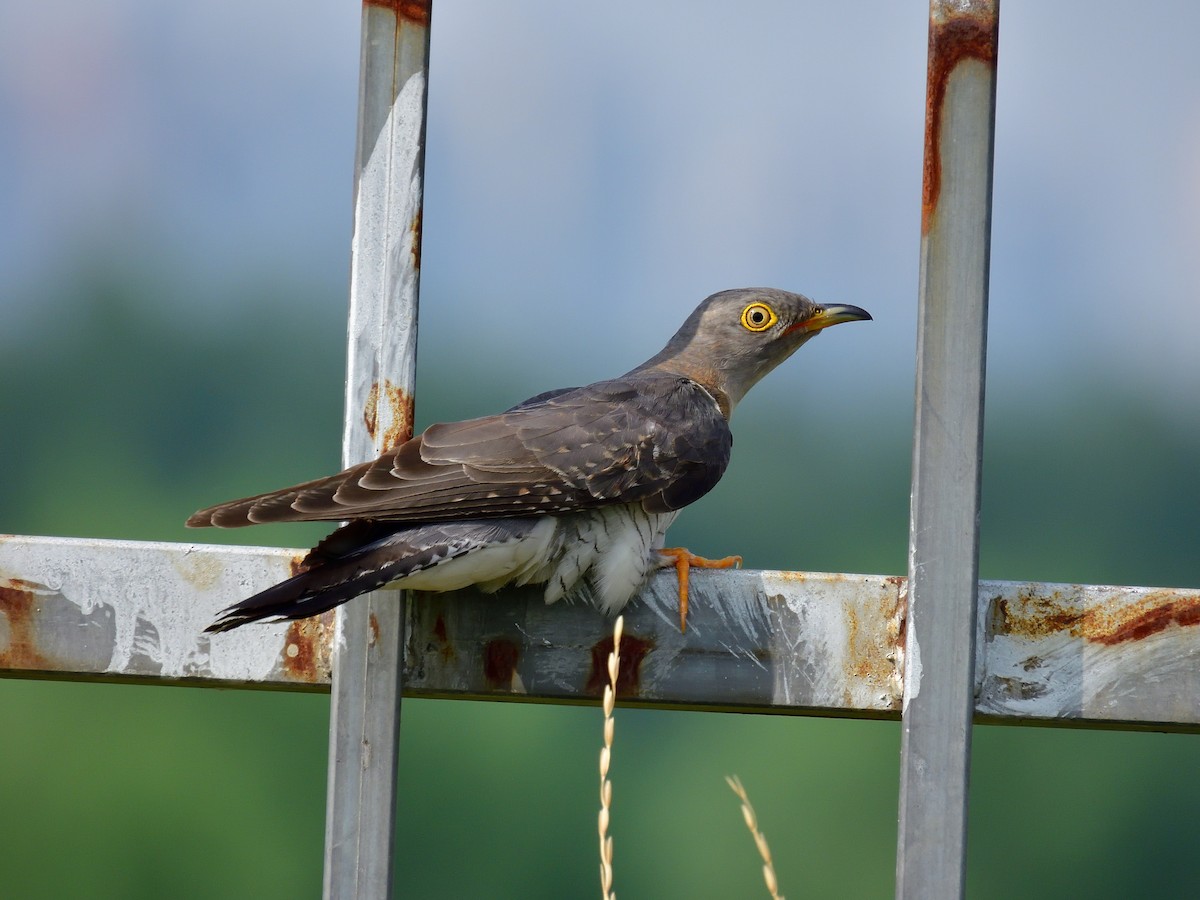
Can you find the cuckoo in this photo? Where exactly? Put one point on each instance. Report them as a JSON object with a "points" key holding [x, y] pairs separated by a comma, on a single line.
{"points": [[573, 489]]}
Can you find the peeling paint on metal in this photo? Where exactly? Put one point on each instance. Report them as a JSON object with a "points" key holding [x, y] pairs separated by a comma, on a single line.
{"points": [[131, 609]]}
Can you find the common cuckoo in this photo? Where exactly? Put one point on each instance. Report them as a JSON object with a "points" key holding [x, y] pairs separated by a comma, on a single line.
{"points": [[574, 488]]}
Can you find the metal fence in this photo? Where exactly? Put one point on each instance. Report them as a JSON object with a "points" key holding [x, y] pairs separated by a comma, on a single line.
{"points": [[938, 649]]}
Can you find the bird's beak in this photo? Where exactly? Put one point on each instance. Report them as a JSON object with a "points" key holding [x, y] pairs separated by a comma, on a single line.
{"points": [[832, 315]]}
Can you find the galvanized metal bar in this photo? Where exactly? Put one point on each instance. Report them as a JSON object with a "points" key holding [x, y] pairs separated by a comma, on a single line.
{"points": [[91, 610], [947, 449], [1089, 656], [385, 277], [756, 641]]}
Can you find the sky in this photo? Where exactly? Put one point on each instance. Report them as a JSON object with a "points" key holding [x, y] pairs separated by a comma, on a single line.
{"points": [[594, 171]]}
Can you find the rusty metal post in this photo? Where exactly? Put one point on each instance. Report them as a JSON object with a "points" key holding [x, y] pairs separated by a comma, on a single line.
{"points": [[939, 663], [385, 274]]}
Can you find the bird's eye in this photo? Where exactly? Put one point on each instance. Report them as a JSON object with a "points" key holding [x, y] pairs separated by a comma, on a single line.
{"points": [[758, 317]]}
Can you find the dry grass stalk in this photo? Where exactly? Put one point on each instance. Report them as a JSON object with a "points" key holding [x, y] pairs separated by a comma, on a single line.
{"points": [[760, 840], [610, 700]]}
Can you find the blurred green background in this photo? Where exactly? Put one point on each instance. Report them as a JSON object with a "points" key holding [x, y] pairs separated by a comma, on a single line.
{"points": [[122, 791], [172, 331]]}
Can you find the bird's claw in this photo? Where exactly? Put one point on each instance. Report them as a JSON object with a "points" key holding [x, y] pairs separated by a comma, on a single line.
{"points": [[683, 560]]}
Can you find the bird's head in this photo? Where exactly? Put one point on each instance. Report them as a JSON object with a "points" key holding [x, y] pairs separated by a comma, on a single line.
{"points": [[736, 337]]}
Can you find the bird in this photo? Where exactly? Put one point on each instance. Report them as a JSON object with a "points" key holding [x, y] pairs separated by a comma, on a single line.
{"points": [[573, 489]]}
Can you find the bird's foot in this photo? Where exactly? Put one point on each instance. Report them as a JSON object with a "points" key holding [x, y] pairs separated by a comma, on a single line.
{"points": [[683, 560]]}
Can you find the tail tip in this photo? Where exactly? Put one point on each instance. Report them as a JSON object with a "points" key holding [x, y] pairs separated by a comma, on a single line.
{"points": [[226, 621]]}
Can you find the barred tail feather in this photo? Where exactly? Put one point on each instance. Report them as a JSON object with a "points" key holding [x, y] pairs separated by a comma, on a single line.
{"points": [[307, 594], [366, 555]]}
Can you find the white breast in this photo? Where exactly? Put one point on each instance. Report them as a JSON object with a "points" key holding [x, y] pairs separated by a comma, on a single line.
{"points": [[612, 548]]}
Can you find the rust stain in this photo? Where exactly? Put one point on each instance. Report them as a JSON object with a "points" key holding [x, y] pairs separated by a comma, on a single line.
{"points": [[1031, 615], [398, 423], [1184, 612], [373, 624], [18, 600], [306, 648], [1035, 616], [445, 648], [299, 563], [415, 228], [629, 677], [401, 403], [823, 577], [875, 658], [1016, 689], [500, 658], [415, 11], [371, 410], [857, 666], [898, 617], [963, 35], [198, 569]]}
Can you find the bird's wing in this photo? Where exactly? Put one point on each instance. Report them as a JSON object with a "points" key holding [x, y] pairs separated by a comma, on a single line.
{"points": [[657, 439]]}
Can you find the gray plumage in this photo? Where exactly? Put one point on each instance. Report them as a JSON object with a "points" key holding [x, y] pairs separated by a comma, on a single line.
{"points": [[573, 488]]}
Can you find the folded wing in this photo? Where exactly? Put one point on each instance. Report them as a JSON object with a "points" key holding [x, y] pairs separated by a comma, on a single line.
{"points": [[661, 441]]}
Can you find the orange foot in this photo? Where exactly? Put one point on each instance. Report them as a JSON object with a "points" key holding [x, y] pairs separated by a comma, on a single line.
{"points": [[684, 560]]}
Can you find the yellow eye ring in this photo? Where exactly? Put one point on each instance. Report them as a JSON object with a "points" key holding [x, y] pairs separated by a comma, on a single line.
{"points": [[758, 317]]}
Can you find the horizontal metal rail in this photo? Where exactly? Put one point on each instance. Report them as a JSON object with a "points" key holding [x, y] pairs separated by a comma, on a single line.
{"points": [[782, 642]]}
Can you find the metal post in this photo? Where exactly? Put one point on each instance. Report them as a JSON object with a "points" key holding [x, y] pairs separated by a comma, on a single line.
{"points": [[385, 274], [947, 448]]}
